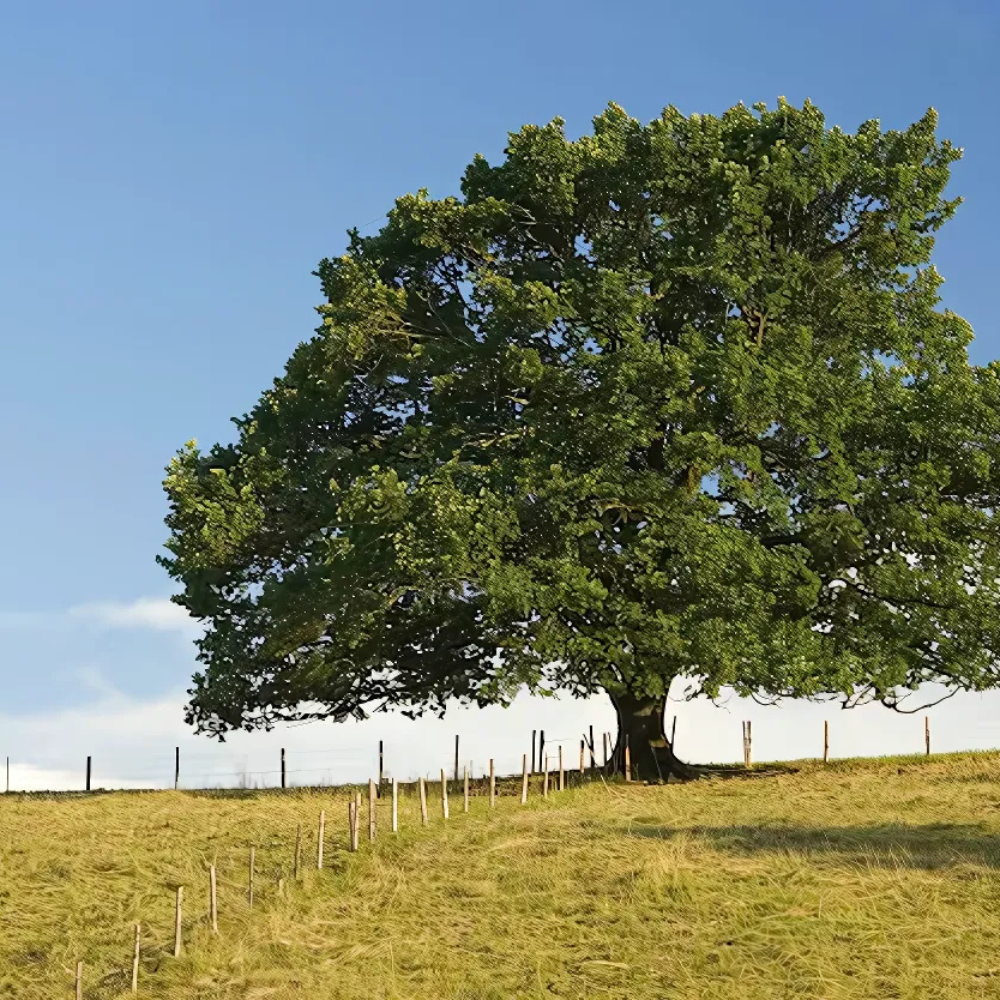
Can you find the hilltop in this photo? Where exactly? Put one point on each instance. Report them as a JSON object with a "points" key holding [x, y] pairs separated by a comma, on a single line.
{"points": [[859, 879]]}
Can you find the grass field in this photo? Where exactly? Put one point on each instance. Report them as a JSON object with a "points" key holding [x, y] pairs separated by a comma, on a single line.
{"points": [[866, 880]]}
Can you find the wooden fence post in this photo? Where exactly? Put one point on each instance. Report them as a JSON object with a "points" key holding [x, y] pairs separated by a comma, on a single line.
{"points": [[381, 762], [444, 795], [395, 806], [177, 772], [135, 958], [352, 807], [541, 746], [79, 981], [605, 737], [283, 767], [213, 900], [524, 779], [456, 757], [372, 795], [88, 773], [628, 760], [253, 853], [583, 744], [593, 755], [927, 734], [562, 772], [322, 837], [466, 782], [423, 801], [673, 736], [534, 734], [493, 785], [177, 922], [826, 741], [298, 851]]}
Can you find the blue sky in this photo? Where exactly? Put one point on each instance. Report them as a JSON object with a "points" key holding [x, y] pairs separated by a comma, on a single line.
{"points": [[173, 173]]}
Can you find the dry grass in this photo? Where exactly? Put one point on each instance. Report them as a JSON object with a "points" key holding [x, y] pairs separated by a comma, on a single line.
{"points": [[858, 880]]}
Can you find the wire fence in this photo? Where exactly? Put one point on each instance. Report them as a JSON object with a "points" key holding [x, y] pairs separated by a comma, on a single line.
{"points": [[313, 767], [285, 865], [318, 767]]}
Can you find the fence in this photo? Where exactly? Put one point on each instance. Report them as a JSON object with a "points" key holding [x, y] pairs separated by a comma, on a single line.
{"points": [[312, 768], [549, 764], [335, 766], [243, 887], [748, 741]]}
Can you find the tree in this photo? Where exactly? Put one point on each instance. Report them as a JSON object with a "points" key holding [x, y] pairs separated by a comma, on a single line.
{"points": [[668, 401]]}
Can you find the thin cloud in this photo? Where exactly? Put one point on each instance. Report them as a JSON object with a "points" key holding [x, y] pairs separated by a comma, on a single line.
{"points": [[155, 613], [93, 679]]}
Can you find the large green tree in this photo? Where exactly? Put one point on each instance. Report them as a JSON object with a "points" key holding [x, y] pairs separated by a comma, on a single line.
{"points": [[672, 400]]}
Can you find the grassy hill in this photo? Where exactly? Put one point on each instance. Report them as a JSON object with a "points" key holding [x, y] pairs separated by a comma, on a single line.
{"points": [[861, 879]]}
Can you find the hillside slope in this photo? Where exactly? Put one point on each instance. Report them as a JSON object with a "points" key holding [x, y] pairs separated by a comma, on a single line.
{"points": [[861, 880]]}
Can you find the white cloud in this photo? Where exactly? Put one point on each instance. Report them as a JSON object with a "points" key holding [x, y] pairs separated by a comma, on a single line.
{"points": [[29, 778], [132, 741], [158, 614]]}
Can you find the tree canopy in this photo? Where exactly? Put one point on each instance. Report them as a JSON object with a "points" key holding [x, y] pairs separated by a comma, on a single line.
{"points": [[669, 400]]}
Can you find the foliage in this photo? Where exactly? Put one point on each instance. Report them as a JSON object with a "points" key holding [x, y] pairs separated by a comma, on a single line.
{"points": [[668, 400]]}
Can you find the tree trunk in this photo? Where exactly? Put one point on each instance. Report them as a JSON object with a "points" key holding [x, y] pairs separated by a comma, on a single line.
{"points": [[640, 728]]}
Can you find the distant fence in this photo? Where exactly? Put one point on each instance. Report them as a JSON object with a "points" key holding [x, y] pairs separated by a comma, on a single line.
{"points": [[313, 768], [337, 766], [748, 741]]}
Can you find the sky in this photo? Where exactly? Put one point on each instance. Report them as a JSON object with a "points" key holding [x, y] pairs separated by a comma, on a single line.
{"points": [[173, 173]]}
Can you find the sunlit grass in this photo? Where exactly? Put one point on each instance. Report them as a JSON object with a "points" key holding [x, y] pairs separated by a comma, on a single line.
{"points": [[860, 879]]}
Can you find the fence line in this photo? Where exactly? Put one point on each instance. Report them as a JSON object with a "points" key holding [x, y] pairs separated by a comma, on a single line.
{"points": [[169, 770], [516, 784], [492, 788]]}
